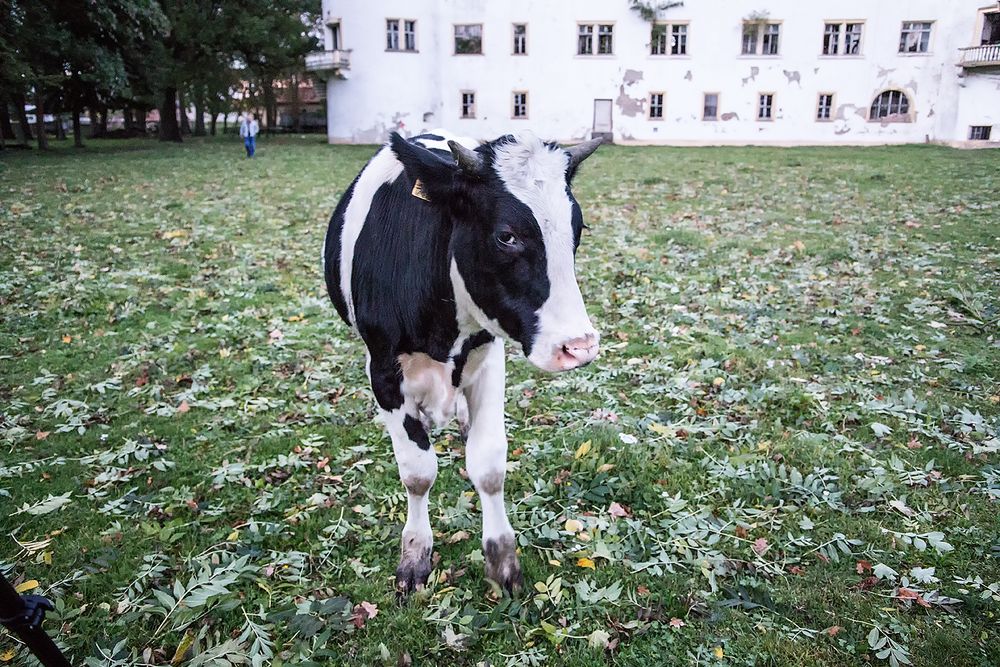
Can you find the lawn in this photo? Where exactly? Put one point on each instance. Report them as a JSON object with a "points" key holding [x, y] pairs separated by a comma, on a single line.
{"points": [[788, 452]]}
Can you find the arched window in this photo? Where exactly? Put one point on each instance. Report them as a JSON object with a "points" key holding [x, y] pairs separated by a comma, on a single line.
{"points": [[890, 105]]}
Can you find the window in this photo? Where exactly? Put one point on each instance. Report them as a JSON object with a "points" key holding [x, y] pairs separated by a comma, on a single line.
{"points": [[656, 106], [980, 132], [851, 43], [891, 105], [915, 37], [824, 109], [764, 106], [668, 39], [711, 107], [469, 39], [991, 29], [852, 39], [392, 35], [520, 104], [520, 39], [605, 41], [585, 45], [334, 36], [831, 39], [410, 35], [585, 40], [468, 104], [769, 45], [760, 38]]}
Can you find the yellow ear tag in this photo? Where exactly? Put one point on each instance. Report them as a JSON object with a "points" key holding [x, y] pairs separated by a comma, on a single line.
{"points": [[418, 191]]}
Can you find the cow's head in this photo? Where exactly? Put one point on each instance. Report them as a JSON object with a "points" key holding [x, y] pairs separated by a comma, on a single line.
{"points": [[516, 227]]}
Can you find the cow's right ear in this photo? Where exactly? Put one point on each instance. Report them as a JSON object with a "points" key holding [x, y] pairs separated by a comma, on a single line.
{"points": [[436, 175]]}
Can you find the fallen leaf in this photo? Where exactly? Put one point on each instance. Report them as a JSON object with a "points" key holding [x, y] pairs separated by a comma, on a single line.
{"points": [[833, 630], [573, 526], [677, 623], [863, 566], [582, 450], [25, 586], [67, 339], [585, 562], [717, 651], [183, 407], [41, 435], [760, 546], [617, 510]]}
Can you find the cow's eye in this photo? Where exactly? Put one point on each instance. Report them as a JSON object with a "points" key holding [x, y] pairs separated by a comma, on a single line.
{"points": [[507, 240]]}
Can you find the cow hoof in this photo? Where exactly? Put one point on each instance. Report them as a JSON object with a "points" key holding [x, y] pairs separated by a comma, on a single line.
{"points": [[412, 573], [502, 565]]}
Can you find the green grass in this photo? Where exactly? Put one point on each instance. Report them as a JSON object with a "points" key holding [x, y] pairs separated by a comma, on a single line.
{"points": [[800, 380]]}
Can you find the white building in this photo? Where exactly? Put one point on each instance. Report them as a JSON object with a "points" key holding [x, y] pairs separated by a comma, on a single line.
{"points": [[706, 72]]}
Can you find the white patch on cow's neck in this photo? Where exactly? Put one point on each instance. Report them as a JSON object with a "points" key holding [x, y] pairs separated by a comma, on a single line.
{"points": [[469, 316], [536, 175], [383, 168]]}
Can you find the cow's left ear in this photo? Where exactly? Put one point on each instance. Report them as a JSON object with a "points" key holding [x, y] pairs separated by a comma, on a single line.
{"points": [[436, 175]]}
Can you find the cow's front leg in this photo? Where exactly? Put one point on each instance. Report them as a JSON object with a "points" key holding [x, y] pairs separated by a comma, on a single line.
{"points": [[486, 461], [417, 470]]}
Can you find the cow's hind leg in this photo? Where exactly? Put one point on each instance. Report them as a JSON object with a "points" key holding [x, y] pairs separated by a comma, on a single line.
{"points": [[486, 460], [417, 470]]}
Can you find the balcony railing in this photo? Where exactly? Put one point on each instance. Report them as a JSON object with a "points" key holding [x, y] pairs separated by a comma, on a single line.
{"points": [[328, 62], [987, 55]]}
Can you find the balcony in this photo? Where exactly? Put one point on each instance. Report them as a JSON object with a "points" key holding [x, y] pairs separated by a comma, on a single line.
{"points": [[327, 64], [987, 55]]}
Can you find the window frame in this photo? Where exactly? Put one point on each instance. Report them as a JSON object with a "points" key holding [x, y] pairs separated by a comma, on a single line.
{"points": [[388, 32], [415, 48], [930, 38], [461, 105], [454, 39], [513, 104], [718, 97], [662, 105], [668, 33], [988, 132], [770, 107], [900, 117], [760, 28], [595, 38], [819, 102], [513, 35]]}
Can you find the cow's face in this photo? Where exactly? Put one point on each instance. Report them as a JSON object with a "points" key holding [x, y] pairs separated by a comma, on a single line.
{"points": [[516, 230]]}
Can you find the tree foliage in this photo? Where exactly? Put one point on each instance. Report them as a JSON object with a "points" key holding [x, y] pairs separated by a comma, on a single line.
{"points": [[135, 55]]}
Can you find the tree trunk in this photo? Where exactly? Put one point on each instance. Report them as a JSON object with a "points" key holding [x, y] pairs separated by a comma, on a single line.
{"points": [[77, 132], [211, 125], [22, 119], [127, 120], [269, 105], [140, 120], [6, 128], [296, 106], [43, 140], [169, 129], [199, 114], [60, 130], [93, 122], [225, 122], [185, 124]]}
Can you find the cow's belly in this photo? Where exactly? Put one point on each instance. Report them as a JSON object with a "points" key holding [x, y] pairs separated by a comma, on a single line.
{"points": [[428, 383]]}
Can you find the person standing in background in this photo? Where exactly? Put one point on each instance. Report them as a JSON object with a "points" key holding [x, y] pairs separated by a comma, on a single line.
{"points": [[248, 130]]}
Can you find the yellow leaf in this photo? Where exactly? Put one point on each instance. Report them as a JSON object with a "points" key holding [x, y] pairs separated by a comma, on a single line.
{"points": [[573, 526], [24, 586], [7, 655], [718, 652], [175, 233], [582, 450], [718, 382], [554, 562], [47, 557], [233, 536], [605, 467], [186, 642], [660, 429], [541, 587], [67, 339], [585, 562]]}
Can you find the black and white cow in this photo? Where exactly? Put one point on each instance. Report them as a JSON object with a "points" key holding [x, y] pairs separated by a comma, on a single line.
{"points": [[439, 250]]}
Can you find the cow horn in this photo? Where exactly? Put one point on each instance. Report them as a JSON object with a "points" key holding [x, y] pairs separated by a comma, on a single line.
{"points": [[581, 152], [470, 161]]}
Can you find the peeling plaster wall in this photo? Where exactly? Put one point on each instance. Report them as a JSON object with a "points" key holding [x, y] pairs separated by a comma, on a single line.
{"points": [[413, 92]]}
